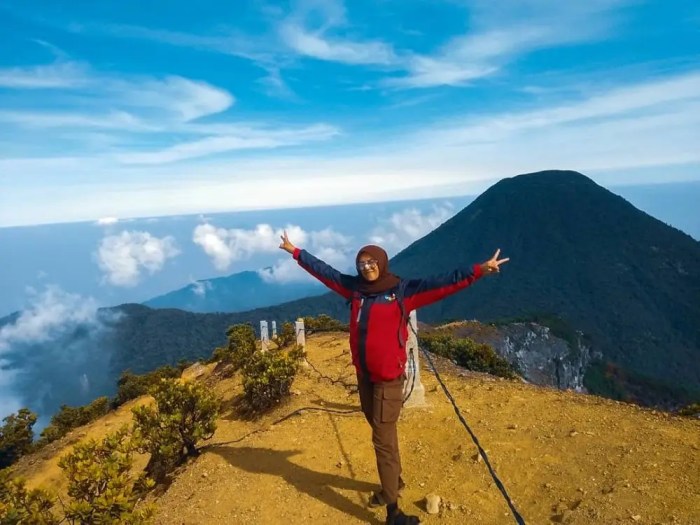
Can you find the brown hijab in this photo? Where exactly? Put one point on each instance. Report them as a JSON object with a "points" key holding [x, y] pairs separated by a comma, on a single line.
{"points": [[386, 280]]}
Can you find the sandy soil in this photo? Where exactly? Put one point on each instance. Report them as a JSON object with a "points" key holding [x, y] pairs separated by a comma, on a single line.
{"points": [[563, 457]]}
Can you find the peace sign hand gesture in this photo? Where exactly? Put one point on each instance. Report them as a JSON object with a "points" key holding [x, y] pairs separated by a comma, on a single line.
{"points": [[492, 265], [285, 244]]}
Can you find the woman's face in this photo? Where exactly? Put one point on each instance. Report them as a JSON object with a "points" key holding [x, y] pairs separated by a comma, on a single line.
{"points": [[368, 267]]}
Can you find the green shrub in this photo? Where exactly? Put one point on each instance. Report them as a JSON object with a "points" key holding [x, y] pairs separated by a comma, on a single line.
{"points": [[467, 353], [323, 323], [241, 345], [692, 410], [16, 436], [100, 483], [19, 506], [130, 386], [68, 418], [287, 336], [184, 413], [268, 376]]}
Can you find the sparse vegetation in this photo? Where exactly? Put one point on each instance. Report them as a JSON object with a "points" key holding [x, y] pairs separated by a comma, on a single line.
{"points": [[68, 418], [240, 346], [184, 414], [20, 506], [286, 336], [130, 386], [692, 410], [467, 353], [323, 323], [100, 483], [268, 376], [16, 436]]}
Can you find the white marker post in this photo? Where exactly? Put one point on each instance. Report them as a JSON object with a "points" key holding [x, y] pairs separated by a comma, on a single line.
{"points": [[274, 329], [299, 329], [417, 397], [264, 336]]}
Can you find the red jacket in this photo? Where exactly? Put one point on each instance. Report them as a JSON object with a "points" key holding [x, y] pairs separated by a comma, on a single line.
{"points": [[378, 323]]}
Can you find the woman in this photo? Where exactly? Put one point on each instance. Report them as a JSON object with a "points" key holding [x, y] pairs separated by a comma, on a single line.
{"points": [[380, 304]]}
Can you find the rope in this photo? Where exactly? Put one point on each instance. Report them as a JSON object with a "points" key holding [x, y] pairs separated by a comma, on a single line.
{"points": [[277, 422], [499, 484], [412, 368]]}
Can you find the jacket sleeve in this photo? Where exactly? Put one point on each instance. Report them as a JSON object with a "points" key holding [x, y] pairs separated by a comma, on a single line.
{"points": [[422, 292], [332, 278]]}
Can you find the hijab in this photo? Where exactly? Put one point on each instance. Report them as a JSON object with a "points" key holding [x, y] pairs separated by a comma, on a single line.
{"points": [[386, 280]]}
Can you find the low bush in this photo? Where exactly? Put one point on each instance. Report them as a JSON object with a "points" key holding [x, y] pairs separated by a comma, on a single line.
{"points": [[268, 377], [467, 353], [16, 436], [287, 336], [323, 323], [68, 418], [20, 506], [692, 410], [100, 483], [184, 413], [240, 346], [130, 386]]}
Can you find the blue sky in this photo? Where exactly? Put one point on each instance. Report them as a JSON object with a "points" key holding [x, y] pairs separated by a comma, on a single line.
{"points": [[128, 109]]}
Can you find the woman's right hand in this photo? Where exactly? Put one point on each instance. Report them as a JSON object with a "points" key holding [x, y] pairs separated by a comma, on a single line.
{"points": [[285, 244]]}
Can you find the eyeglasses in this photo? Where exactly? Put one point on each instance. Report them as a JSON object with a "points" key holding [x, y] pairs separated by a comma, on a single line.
{"points": [[371, 263]]}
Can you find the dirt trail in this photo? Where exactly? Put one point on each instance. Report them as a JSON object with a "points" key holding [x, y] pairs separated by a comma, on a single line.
{"points": [[563, 457]]}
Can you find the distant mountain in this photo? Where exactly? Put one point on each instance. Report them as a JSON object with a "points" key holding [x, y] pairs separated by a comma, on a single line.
{"points": [[582, 257], [234, 293]]}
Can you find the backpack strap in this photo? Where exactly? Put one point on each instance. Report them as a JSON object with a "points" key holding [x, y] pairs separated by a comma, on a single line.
{"points": [[404, 317]]}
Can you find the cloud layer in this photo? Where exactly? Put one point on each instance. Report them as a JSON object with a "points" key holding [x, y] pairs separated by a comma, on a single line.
{"points": [[124, 257]]}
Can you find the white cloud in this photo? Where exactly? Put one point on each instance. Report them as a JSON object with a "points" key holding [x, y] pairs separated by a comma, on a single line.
{"points": [[49, 313], [244, 139], [200, 288], [105, 111], [502, 31], [49, 76], [322, 47], [398, 231], [316, 41], [124, 257], [66, 354], [107, 221], [227, 246], [187, 99], [328, 245], [601, 131]]}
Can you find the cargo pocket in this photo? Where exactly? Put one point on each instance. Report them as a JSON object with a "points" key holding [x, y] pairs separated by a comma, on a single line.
{"points": [[392, 401]]}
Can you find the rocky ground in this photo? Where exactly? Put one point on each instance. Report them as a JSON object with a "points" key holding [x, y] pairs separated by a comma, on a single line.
{"points": [[563, 457]]}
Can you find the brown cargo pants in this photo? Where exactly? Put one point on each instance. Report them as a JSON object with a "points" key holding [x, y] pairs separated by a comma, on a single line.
{"points": [[381, 404]]}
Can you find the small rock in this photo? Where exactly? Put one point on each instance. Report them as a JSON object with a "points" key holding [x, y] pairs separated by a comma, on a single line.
{"points": [[204, 474], [340, 464], [476, 458], [548, 485], [573, 433], [421, 484], [451, 506], [512, 426], [432, 503], [296, 392], [636, 517]]}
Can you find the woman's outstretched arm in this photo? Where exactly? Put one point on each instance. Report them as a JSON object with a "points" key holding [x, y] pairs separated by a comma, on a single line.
{"points": [[332, 278], [422, 292]]}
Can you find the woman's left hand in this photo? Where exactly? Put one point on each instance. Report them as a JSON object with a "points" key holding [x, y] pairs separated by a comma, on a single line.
{"points": [[492, 265]]}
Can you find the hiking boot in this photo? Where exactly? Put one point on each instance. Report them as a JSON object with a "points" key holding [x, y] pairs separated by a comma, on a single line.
{"points": [[395, 516], [377, 498]]}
